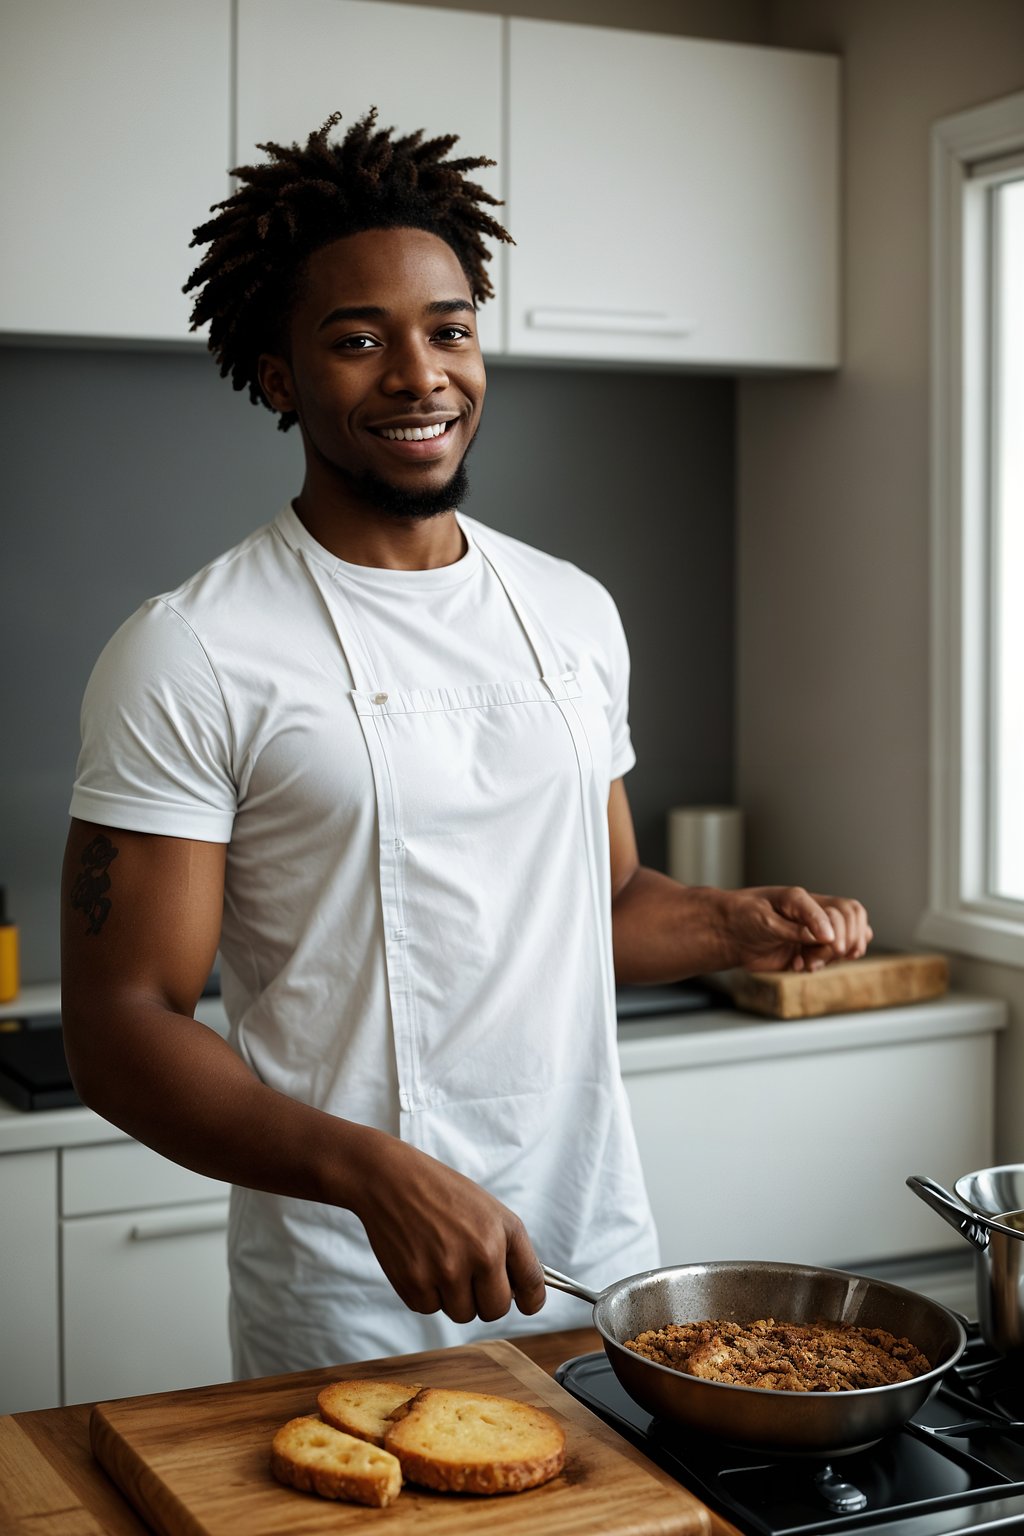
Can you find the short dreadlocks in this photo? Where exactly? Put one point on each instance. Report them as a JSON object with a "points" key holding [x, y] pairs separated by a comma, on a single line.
{"points": [[304, 198]]}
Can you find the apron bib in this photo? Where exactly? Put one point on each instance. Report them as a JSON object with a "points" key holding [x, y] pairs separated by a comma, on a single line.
{"points": [[495, 896]]}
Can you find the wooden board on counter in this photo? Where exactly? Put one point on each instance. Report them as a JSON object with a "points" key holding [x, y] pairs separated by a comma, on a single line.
{"points": [[876, 981], [197, 1463]]}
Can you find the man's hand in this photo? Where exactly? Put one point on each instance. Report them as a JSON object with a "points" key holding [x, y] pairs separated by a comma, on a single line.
{"points": [[784, 927], [444, 1243]]}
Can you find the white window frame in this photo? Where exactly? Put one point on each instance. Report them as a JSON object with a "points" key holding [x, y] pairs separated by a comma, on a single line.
{"points": [[962, 916]]}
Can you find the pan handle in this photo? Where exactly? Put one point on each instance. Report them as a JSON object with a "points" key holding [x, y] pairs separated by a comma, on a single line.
{"points": [[949, 1208], [560, 1282]]}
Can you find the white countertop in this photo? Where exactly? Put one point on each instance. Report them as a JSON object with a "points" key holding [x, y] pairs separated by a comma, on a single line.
{"points": [[695, 1039]]}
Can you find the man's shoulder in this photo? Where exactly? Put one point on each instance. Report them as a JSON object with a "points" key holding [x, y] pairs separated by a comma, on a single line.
{"points": [[546, 576], [247, 564]]}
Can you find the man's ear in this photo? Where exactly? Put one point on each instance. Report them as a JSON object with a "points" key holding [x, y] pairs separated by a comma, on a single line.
{"points": [[275, 378]]}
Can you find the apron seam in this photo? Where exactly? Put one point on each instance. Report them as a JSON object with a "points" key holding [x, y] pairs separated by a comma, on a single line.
{"points": [[397, 860], [383, 710]]}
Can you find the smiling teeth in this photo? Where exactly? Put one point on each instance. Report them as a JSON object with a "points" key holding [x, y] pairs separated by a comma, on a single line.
{"points": [[412, 434]]}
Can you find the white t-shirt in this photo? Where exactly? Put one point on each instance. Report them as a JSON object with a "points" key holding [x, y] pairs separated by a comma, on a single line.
{"points": [[220, 712], [223, 712]]}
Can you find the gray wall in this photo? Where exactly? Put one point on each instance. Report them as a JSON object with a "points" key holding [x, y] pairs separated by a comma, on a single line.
{"points": [[834, 577], [125, 471]]}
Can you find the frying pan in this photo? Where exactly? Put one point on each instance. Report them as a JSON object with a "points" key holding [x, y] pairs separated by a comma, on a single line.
{"points": [[803, 1423]]}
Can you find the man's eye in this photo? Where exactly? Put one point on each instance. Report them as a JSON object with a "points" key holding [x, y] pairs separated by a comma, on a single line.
{"points": [[356, 343], [452, 333]]}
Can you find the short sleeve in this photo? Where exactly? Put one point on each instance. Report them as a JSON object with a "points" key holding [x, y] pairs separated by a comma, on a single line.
{"points": [[623, 755], [156, 740]]}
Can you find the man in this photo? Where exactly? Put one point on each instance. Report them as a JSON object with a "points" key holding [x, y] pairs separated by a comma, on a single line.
{"points": [[376, 753]]}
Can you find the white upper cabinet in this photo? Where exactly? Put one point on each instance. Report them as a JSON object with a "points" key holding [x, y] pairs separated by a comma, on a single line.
{"points": [[114, 116], [421, 67], [672, 200]]}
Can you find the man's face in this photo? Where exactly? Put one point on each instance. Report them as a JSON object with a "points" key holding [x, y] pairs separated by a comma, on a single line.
{"points": [[384, 371]]}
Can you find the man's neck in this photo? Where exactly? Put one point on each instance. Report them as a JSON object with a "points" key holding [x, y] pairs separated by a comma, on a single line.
{"points": [[367, 536]]}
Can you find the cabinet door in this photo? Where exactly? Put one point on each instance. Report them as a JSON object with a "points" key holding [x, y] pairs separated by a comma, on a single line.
{"points": [[115, 120], [422, 68], [803, 1159], [145, 1301], [29, 1329], [672, 200]]}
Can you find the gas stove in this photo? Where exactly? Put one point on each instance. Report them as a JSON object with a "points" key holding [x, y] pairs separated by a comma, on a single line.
{"points": [[956, 1467]]}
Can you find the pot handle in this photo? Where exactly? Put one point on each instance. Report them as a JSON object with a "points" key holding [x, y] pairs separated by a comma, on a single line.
{"points": [[950, 1209], [559, 1282]]}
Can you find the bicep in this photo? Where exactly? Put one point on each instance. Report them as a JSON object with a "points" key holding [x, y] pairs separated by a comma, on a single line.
{"points": [[625, 860], [140, 916]]}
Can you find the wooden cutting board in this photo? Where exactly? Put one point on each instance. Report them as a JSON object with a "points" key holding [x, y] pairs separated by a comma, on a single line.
{"points": [[197, 1463], [876, 981]]}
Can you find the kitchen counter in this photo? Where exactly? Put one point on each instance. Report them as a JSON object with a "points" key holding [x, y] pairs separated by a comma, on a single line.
{"points": [[102, 1234], [50, 1483], [673, 1041]]}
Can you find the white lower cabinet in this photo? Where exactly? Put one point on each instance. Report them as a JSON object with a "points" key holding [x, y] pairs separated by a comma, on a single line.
{"points": [[145, 1301], [144, 1274], [29, 1335], [803, 1158]]}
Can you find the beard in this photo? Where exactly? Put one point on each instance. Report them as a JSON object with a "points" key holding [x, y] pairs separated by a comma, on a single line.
{"points": [[396, 501]]}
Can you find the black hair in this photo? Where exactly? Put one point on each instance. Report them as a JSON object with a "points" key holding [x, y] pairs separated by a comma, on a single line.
{"points": [[305, 197]]}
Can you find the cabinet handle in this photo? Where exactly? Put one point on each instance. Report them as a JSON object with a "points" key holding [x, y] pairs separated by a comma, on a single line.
{"points": [[180, 1223], [625, 322]]}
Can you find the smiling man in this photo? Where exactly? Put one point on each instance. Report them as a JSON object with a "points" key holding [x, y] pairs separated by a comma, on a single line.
{"points": [[375, 753]]}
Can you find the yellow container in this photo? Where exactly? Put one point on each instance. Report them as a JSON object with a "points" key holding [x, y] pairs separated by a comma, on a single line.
{"points": [[10, 979]]}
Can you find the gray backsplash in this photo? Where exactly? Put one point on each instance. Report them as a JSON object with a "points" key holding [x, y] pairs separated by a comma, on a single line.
{"points": [[126, 470]]}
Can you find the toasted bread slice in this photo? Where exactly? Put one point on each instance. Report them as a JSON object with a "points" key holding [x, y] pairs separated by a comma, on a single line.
{"points": [[362, 1408], [471, 1442], [309, 1455]]}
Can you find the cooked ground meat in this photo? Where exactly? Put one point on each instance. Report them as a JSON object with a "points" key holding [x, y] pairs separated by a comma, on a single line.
{"points": [[785, 1357]]}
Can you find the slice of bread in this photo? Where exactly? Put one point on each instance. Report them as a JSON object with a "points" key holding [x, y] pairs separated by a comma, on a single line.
{"points": [[470, 1442], [362, 1408], [308, 1454]]}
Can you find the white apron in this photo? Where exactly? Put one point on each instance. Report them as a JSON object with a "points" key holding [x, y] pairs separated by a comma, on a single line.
{"points": [[499, 1056]]}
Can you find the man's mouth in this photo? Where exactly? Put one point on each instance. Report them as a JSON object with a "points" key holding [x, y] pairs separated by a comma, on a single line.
{"points": [[412, 434]]}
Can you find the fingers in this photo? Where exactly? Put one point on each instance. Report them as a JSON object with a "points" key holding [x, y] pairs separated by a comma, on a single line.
{"points": [[849, 919], [789, 928], [464, 1292], [525, 1273], [446, 1244], [804, 911]]}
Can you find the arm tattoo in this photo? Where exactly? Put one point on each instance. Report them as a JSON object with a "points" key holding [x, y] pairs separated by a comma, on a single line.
{"points": [[89, 892]]}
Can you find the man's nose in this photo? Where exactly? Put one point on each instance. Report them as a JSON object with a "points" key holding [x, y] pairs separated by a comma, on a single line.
{"points": [[414, 368]]}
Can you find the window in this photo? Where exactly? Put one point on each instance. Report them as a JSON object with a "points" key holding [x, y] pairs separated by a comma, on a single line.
{"points": [[977, 426]]}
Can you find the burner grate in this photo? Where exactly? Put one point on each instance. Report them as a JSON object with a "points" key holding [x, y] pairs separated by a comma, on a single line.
{"points": [[957, 1467]]}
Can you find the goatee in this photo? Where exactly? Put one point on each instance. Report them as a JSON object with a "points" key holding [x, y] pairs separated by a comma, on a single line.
{"points": [[395, 501]]}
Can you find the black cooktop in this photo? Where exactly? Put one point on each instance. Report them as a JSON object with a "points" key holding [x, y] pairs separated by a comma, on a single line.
{"points": [[33, 1068], [956, 1467]]}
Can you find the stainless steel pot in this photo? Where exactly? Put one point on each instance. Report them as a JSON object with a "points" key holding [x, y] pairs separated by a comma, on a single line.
{"points": [[806, 1423], [990, 1215]]}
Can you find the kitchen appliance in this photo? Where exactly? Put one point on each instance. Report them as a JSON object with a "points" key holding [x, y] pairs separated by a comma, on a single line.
{"points": [[33, 1067], [955, 1467], [635, 1002]]}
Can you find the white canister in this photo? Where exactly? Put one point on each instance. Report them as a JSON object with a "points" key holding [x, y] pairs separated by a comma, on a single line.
{"points": [[705, 845]]}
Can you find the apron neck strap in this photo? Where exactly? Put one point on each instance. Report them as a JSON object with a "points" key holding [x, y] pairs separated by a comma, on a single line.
{"points": [[536, 632]]}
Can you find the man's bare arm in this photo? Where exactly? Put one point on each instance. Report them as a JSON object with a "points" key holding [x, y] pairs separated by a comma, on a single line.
{"points": [[140, 925], [663, 931]]}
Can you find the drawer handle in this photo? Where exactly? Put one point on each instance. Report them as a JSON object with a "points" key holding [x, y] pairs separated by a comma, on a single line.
{"points": [[624, 322], [180, 1223]]}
